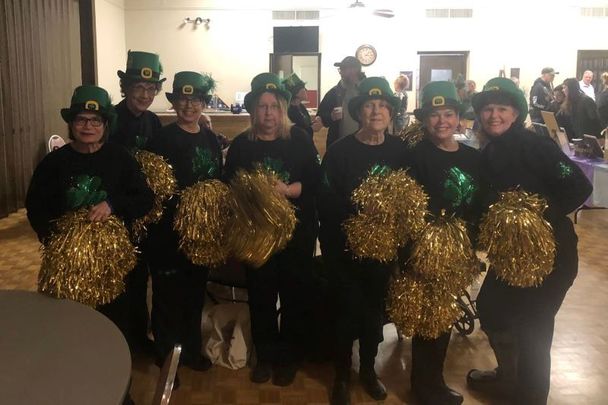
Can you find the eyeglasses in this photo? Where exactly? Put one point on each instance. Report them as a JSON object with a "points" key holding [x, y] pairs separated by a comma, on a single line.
{"points": [[82, 121], [194, 102], [140, 89]]}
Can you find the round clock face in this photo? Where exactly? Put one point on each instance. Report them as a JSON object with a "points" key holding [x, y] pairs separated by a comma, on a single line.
{"points": [[366, 54]]}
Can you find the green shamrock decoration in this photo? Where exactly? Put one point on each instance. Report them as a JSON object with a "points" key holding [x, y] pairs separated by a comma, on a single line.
{"points": [[565, 170], [459, 187], [204, 165], [85, 192], [276, 166]]}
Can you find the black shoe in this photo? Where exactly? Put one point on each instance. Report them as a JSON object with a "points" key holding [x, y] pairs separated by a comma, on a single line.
{"points": [[372, 385], [340, 394], [283, 375], [490, 382], [261, 373], [199, 363]]}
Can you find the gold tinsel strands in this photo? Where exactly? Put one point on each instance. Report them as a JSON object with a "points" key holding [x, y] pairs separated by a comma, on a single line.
{"points": [[412, 134], [417, 307], [86, 261], [519, 242], [160, 179], [443, 251], [262, 220], [200, 221], [392, 207]]}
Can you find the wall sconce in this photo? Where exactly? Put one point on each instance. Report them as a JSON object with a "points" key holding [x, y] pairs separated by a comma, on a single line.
{"points": [[196, 21]]}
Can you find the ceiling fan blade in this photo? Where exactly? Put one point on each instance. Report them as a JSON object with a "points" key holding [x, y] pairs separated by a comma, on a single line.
{"points": [[386, 13]]}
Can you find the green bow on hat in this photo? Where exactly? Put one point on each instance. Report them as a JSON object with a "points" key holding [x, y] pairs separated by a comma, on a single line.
{"points": [[192, 84], [437, 95], [265, 82], [93, 99], [501, 90], [372, 88], [293, 84], [143, 66]]}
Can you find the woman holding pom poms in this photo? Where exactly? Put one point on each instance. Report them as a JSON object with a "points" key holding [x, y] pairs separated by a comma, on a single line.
{"points": [[178, 284], [520, 297], [271, 144], [88, 174], [358, 285], [449, 173]]}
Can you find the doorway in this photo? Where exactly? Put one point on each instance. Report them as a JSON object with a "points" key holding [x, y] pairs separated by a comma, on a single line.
{"points": [[307, 65], [597, 62], [436, 66]]}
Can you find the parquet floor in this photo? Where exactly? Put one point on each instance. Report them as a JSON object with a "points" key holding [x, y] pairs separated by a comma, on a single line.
{"points": [[580, 349]]}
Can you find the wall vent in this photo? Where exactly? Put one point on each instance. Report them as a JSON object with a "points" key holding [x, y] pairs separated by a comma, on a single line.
{"points": [[295, 14], [594, 11], [449, 12]]}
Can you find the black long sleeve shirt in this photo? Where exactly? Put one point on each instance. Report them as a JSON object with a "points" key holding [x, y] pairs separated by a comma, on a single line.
{"points": [[120, 175], [298, 114], [134, 131]]}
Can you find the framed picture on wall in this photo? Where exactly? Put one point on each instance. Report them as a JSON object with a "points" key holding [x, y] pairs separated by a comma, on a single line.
{"points": [[410, 76]]}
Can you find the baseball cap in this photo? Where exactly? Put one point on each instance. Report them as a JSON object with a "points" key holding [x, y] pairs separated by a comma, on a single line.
{"points": [[349, 61], [549, 70]]}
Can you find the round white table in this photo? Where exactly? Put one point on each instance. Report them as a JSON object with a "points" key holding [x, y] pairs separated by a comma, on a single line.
{"points": [[59, 352]]}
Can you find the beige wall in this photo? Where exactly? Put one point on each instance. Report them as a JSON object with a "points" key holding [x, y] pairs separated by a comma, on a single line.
{"points": [[111, 51], [235, 47]]}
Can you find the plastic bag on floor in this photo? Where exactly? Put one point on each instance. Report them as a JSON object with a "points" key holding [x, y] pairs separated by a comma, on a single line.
{"points": [[227, 334]]}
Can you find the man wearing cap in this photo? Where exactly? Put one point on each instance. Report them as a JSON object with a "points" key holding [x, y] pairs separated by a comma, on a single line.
{"points": [[541, 94], [333, 109], [585, 84], [139, 84], [297, 112]]}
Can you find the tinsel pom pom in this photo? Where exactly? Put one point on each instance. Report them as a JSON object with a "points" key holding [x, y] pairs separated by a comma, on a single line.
{"points": [[412, 134], [86, 261], [200, 221], [418, 307], [519, 241], [262, 220], [160, 179], [391, 210]]}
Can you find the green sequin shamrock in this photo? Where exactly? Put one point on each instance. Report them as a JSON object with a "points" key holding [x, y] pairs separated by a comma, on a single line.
{"points": [[140, 142], [379, 170], [85, 192], [459, 187], [204, 165], [565, 170], [276, 166]]}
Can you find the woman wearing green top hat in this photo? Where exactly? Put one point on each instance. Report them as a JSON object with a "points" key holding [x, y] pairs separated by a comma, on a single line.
{"points": [[297, 113], [178, 285], [63, 181], [358, 286], [449, 173], [519, 321], [287, 150]]}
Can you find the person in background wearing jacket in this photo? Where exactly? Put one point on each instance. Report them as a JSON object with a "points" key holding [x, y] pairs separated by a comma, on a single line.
{"points": [[297, 113], [541, 94]]}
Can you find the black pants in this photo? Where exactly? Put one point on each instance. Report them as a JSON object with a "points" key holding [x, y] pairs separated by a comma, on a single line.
{"points": [[359, 290], [287, 275], [177, 307], [428, 356]]}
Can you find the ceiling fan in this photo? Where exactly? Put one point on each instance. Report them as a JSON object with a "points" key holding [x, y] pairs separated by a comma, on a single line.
{"points": [[383, 12]]}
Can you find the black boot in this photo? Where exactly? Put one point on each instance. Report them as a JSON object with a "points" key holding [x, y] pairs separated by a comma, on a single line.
{"points": [[261, 372], [371, 384], [340, 394], [442, 395], [500, 382]]}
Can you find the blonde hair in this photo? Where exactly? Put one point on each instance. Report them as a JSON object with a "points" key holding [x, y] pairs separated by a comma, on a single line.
{"points": [[605, 78], [401, 82], [284, 122]]}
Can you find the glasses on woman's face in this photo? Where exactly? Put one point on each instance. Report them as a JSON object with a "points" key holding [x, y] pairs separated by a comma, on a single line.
{"points": [[141, 89], [194, 102], [82, 121]]}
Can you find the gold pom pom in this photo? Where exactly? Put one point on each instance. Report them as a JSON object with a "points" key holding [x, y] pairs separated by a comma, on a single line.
{"points": [[262, 220], [519, 242], [391, 210], [443, 251], [160, 179], [200, 221], [86, 261], [412, 134], [418, 307]]}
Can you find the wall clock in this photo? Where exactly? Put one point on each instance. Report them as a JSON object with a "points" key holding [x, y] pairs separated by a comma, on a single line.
{"points": [[366, 54]]}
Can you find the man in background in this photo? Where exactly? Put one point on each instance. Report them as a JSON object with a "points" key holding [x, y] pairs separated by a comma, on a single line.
{"points": [[541, 94], [585, 84]]}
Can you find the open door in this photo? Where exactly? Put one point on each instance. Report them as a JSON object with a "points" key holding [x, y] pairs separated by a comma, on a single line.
{"points": [[307, 65], [447, 65], [597, 62]]}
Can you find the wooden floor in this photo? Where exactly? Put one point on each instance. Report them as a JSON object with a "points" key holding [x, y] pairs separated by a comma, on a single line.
{"points": [[580, 349]]}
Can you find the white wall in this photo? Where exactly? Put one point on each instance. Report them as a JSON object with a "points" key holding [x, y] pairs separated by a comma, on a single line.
{"points": [[111, 51], [235, 47]]}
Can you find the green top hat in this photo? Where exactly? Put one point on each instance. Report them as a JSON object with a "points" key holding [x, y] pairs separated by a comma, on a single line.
{"points": [[372, 88], [501, 90], [293, 84], [90, 99], [192, 84], [265, 82], [143, 66], [437, 95]]}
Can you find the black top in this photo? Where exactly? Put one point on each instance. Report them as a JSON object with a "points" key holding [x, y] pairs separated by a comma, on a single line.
{"points": [[62, 173], [602, 107], [298, 114], [295, 159], [585, 119], [132, 131], [450, 179], [194, 158], [345, 165]]}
